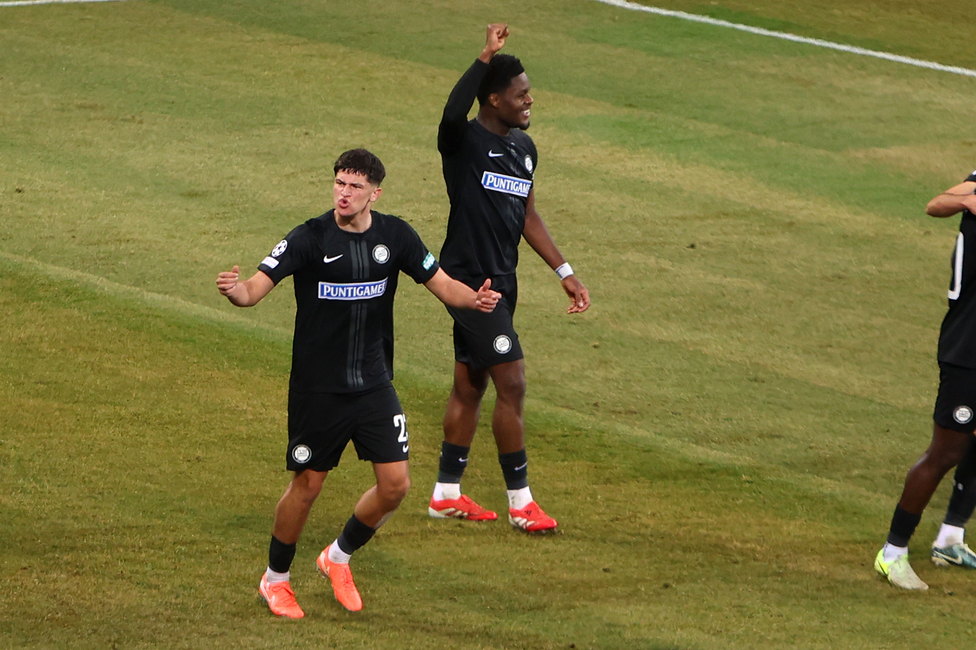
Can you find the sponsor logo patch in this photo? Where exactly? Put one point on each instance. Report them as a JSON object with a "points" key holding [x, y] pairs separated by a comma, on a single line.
{"points": [[270, 262], [352, 290], [428, 262], [502, 344], [963, 415], [381, 253], [301, 454], [280, 248], [528, 162], [506, 184]]}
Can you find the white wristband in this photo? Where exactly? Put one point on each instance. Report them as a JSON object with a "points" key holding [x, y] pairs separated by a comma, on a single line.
{"points": [[564, 271]]}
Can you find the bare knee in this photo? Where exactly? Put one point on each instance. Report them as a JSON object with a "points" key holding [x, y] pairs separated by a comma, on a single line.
{"points": [[306, 485], [946, 450], [510, 386], [940, 464], [392, 492]]}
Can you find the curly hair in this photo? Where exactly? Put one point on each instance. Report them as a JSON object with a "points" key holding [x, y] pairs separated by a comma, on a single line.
{"points": [[501, 70], [362, 162]]}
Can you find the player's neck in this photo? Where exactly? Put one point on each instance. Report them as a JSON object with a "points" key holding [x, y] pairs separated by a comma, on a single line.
{"points": [[359, 222], [493, 125]]}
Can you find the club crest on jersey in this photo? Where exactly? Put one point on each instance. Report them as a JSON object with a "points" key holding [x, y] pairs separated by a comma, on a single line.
{"points": [[506, 184], [279, 248], [963, 415], [502, 344], [381, 253], [352, 290], [301, 454]]}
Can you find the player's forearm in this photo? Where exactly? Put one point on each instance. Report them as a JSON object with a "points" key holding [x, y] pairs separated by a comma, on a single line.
{"points": [[240, 295], [946, 205], [460, 296], [245, 293], [538, 237], [451, 292]]}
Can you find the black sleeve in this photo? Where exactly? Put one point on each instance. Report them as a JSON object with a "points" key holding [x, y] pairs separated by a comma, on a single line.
{"points": [[289, 255], [455, 117], [972, 177], [416, 261]]}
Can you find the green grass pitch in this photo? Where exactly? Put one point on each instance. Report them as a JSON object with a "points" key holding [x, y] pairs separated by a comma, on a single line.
{"points": [[722, 436]]}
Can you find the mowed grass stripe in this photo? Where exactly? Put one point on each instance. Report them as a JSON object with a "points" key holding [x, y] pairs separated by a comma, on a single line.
{"points": [[840, 47], [149, 299]]}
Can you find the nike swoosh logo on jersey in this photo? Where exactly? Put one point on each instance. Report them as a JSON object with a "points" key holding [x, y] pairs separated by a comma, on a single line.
{"points": [[492, 154], [329, 260]]}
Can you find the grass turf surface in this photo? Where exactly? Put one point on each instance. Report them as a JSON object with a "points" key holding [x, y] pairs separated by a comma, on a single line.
{"points": [[722, 437]]}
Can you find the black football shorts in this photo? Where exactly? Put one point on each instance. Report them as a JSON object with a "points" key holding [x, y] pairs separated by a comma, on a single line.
{"points": [[956, 403], [320, 425], [483, 340]]}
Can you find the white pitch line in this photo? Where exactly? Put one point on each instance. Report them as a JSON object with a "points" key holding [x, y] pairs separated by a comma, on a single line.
{"points": [[633, 6], [24, 3]]}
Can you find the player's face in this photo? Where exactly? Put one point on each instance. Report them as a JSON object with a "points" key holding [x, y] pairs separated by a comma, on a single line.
{"points": [[352, 194], [515, 103]]}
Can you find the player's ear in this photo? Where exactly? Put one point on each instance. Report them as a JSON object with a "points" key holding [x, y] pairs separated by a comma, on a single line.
{"points": [[494, 99], [376, 194]]}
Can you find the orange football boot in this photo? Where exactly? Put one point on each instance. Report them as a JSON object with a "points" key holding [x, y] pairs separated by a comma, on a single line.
{"points": [[280, 598], [341, 578]]}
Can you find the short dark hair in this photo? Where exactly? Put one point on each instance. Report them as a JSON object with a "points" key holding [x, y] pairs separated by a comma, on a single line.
{"points": [[362, 162], [501, 70]]}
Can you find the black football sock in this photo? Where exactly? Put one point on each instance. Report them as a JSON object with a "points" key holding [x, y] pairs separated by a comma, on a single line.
{"points": [[453, 462], [354, 536], [515, 469], [903, 525], [280, 555]]}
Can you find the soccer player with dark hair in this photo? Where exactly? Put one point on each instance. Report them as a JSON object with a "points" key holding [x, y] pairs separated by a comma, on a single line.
{"points": [[489, 165], [345, 265], [953, 443]]}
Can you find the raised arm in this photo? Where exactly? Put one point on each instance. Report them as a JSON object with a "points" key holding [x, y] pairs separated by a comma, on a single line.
{"points": [[246, 293], [459, 102], [953, 200], [457, 294], [538, 237]]}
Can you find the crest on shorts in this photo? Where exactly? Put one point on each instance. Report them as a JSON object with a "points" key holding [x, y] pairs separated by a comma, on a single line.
{"points": [[962, 414], [502, 344], [279, 248], [301, 454]]}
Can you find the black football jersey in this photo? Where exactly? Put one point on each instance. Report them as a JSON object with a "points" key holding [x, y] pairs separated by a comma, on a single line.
{"points": [[488, 179], [344, 288], [957, 340]]}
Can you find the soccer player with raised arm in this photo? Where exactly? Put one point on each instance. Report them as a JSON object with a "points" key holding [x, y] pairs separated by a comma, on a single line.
{"points": [[489, 165], [953, 443], [345, 266]]}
